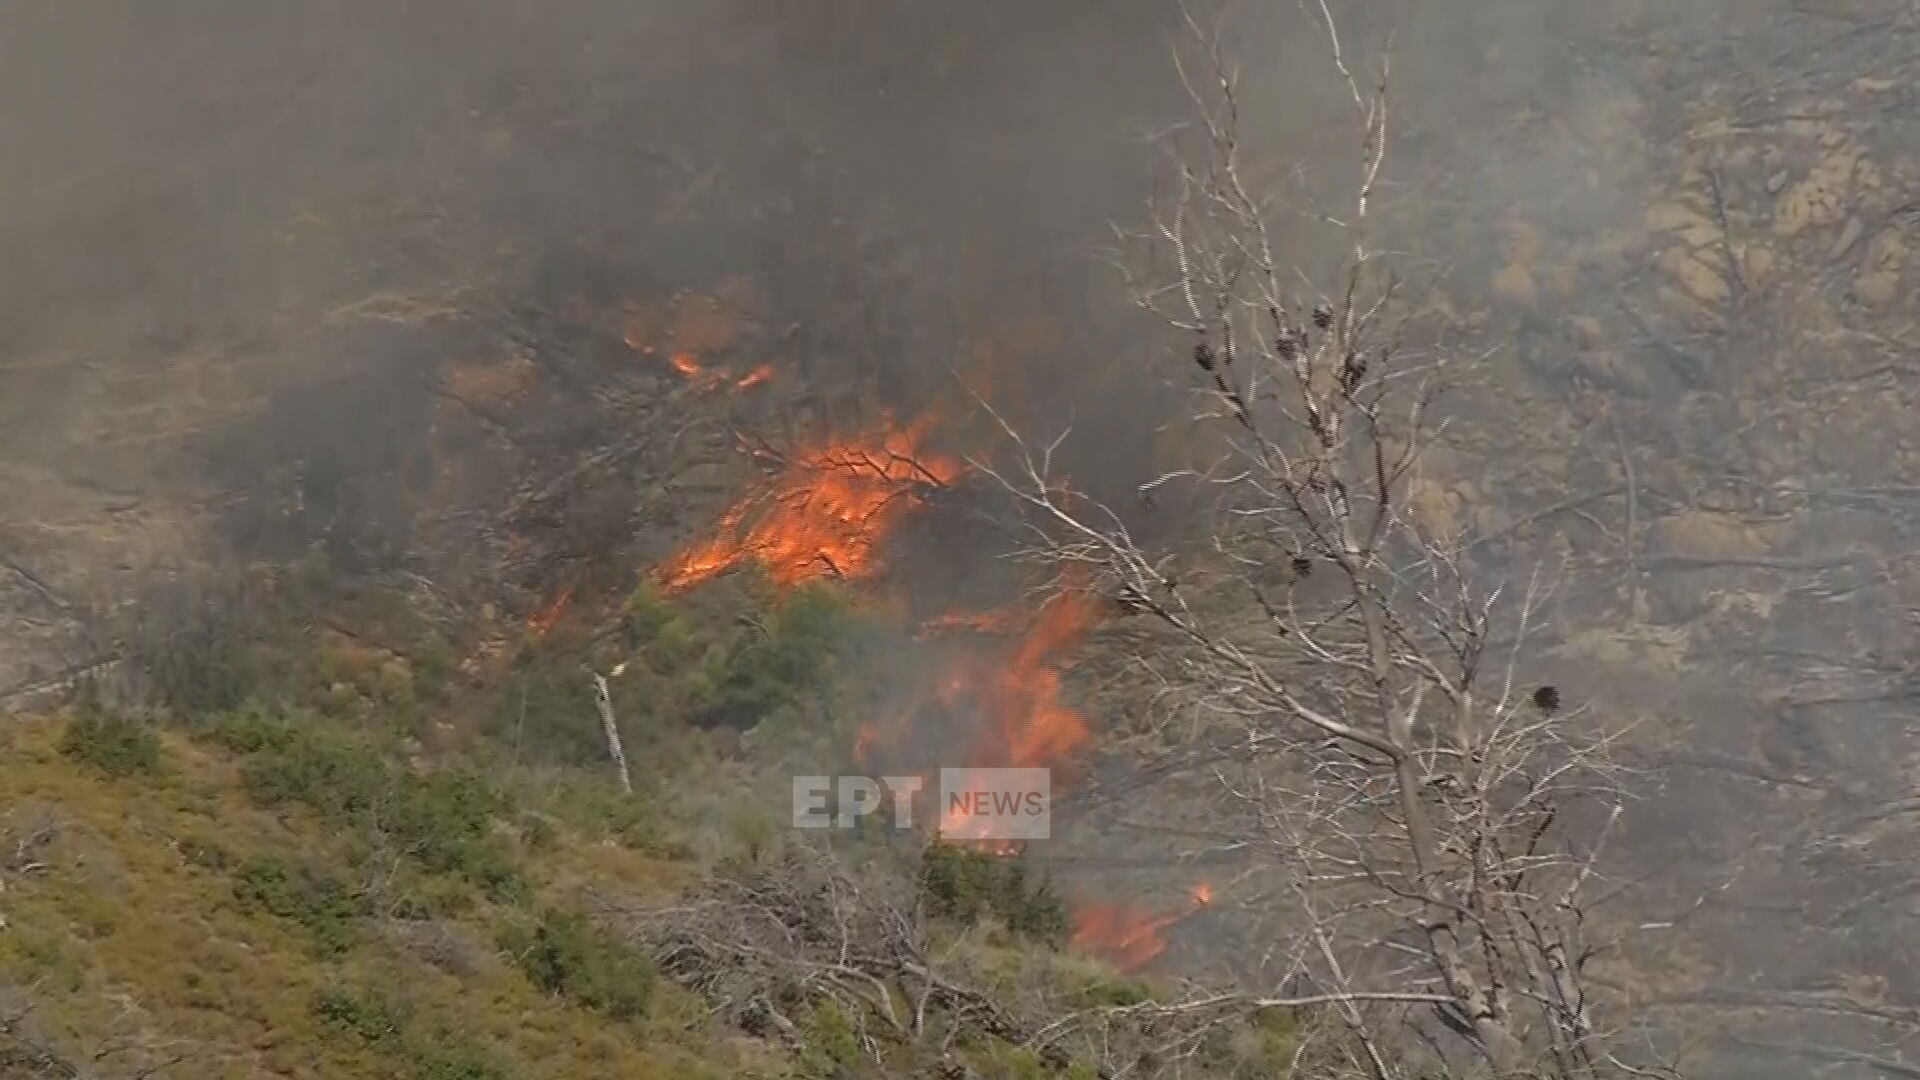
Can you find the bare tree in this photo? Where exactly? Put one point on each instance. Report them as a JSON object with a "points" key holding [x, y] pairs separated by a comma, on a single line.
{"points": [[1431, 827], [603, 699]]}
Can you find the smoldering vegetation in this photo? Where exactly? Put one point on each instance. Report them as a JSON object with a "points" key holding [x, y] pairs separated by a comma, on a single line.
{"points": [[247, 250]]}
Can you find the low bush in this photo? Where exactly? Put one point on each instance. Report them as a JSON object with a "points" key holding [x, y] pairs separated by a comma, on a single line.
{"points": [[966, 886], [421, 1051], [564, 954], [443, 819], [117, 743], [304, 894]]}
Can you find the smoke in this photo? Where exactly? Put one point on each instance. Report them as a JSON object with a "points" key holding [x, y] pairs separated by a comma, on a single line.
{"points": [[190, 195], [243, 245]]}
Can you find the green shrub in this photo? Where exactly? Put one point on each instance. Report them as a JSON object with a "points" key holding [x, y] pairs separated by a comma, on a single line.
{"points": [[660, 628], [248, 729], [546, 712], [566, 955], [447, 1055], [831, 1046], [44, 959], [365, 1014], [444, 819], [422, 1052], [116, 743], [322, 905], [539, 832], [966, 886], [1108, 992], [338, 775], [790, 656]]}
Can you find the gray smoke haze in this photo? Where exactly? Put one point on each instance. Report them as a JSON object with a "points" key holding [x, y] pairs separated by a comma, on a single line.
{"points": [[226, 225], [191, 191]]}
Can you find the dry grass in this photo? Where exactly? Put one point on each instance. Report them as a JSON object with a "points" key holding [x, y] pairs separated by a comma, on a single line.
{"points": [[130, 944]]}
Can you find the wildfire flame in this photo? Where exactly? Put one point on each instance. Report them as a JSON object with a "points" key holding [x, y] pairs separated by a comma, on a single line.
{"points": [[542, 621], [826, 513], [700, 330], [1127, 936], [705, 378], [1016, 693], [687, 364], [1020, 695]]}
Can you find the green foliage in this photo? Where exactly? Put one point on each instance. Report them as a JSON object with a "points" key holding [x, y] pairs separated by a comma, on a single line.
{"points": [[538, 832], [445, 1054], [423, 1052], [443, 820], [966, 886], [661, 628], [434, 665], [249, 728], [115, 742], [41, 958], [998, 1060], [1105, 992], [546, 712], [446, 820], [564, 954], [790, 654], [335, 773], [831, 1046], [541, 798], [305, 894], [366, 1014]]}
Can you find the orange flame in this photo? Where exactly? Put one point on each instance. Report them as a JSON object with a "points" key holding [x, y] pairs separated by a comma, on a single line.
{"points": [[1021, 695], [1001, 621], [826, 513], [542, 621], [1127, 936], [1016, 694], [704, 378]]}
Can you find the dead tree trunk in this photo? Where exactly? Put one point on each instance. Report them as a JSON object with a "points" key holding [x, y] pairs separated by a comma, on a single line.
{"points": [[604, 699]]}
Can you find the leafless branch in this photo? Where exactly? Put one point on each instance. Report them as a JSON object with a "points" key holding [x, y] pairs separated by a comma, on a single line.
{"points": [[1435, 829]]}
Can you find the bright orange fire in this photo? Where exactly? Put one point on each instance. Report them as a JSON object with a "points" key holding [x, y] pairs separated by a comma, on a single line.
{"points": [[826, 513], [1020, 695], [1128, 936], [542, 622], [1000, 704], [705, 378], [690, 366], [1015, 695]]}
